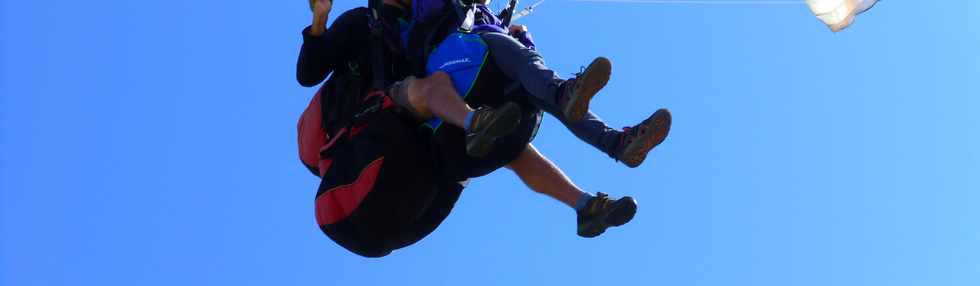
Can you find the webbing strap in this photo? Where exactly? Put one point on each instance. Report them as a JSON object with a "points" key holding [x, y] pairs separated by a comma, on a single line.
{"points": [[507, 14], [377, 45]]}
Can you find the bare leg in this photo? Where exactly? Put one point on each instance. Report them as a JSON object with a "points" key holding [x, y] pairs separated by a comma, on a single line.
{"points": [[594, 216], [435, 96], [543, 176]]}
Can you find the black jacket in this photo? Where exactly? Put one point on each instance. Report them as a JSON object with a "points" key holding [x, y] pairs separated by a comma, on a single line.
{"points": [[344, 48]]}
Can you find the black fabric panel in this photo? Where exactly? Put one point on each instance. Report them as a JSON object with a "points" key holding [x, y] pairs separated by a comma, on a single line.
{"points": [[432, 216], [408, 200]]}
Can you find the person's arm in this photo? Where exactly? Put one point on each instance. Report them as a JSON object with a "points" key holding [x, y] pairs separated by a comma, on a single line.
{"points": [[520, 33], [323, 48], [316, 59]]}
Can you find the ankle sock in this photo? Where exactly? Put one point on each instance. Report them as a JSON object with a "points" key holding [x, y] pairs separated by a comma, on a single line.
{"points": [[583, 200], [469, 120]]}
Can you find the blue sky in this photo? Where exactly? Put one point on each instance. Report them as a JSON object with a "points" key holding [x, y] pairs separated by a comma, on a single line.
{"points": [[153, 143]]}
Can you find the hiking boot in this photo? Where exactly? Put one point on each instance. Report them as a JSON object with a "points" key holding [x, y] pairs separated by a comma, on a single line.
{"points": [[577, 92], [601, 212], [489, 124], [638, 140]]}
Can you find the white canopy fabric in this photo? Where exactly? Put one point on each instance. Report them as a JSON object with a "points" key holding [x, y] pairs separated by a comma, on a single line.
{"points": [[839, 14]]}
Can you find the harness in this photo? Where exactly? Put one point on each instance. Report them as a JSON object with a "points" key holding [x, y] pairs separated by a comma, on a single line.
{"points": [[350, 104], [377, 45], [507, 15], [449, 32]]}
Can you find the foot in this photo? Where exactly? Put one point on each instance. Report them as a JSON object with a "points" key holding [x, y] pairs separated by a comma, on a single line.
{"points": [[577, 92], [638, 140], [488, 125], [601, 212]]}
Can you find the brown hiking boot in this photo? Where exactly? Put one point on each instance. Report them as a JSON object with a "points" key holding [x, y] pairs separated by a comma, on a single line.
{"points": [[638, 140], [488, 125], [577, 92], [601, 212]]}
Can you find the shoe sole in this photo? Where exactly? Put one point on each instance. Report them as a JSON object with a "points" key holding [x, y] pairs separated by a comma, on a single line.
{"points": [[659, 124], [618, 216], [596, 77], [510, 117]]}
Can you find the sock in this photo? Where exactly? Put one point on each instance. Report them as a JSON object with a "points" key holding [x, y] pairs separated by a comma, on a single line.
{"points": [[582, 200], [469, 120]]}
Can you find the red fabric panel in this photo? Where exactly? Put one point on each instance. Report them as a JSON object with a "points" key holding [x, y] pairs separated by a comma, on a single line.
{"points": [[338, 203], [356, 129], [386, 101], [326, 162], [324, 166], [311, 136]]}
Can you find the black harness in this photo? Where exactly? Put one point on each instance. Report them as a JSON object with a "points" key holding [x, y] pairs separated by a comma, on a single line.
{"points": [[347, 99]]}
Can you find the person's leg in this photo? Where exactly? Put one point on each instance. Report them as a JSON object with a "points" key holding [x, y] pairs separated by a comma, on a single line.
{"points": [[594, 131], [568, 99], [594, 213], [527, 67], [543, 85], [629, 146], [542, 176], [435, 96]]}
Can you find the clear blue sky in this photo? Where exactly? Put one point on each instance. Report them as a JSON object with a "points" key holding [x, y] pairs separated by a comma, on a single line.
{"points": [[153, 143]]}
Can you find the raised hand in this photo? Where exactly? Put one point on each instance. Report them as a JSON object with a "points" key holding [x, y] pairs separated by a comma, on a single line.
{"points": [[321, 10]]}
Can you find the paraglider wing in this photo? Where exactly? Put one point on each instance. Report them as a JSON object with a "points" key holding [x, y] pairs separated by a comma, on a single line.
{"points": [[838, 14], [526, 11], [865, 5]]}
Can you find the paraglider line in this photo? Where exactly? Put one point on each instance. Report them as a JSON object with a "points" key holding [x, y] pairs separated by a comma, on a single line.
{"points": [[698, 2]]}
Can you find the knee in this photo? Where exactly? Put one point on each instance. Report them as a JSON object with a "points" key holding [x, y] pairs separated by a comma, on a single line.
{"points": [[437, 79], [432, 84], [429, 87], [416, 97], [422, 92]]}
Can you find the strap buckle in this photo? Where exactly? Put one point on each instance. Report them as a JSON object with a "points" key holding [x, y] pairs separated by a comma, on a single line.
{"points": [[375, 103]]}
